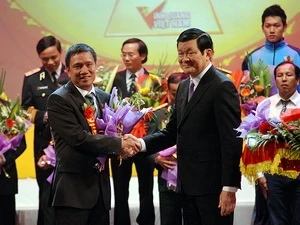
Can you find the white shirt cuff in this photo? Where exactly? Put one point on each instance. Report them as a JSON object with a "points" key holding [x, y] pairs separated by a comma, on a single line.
{"points": [[230, 189], [143, 144]]}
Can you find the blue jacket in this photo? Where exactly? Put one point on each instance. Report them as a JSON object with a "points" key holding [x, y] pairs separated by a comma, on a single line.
{"points": [[273, 54]]}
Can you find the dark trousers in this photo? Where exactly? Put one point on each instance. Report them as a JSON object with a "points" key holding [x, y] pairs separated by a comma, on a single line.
{"points": [[47, 209], [98, 215], [121, 178], [43, 211], [7, 209], [283, 200], [203, 210], [261, 213], [170, 207]]}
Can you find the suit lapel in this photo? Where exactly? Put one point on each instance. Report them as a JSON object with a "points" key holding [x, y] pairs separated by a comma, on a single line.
{"points": [[78, 100], [198, 95]]}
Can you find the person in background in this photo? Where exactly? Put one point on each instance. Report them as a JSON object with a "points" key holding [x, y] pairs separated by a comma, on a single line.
{"points": [[202, 126], [134, 54], [38, 84], [274, 51], [282, 193], [80, 191], [9, 184], [170, 205]]}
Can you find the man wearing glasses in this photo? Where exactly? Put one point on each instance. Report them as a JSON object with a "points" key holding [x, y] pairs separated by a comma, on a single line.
{"points": [[134, 55]]}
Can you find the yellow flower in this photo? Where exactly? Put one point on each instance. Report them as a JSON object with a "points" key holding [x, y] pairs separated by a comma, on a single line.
{"points": [[144, 91], [4, 96], [155, 78]]}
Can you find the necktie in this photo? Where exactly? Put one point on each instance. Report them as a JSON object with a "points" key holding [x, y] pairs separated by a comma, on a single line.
{"points": [[91, 98], [191, 90], [53, 76], [132, 88], [284, 104]]}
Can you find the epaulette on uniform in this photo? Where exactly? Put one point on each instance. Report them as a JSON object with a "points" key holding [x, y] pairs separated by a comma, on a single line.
{"points": [[29, 73], [224, 70]]}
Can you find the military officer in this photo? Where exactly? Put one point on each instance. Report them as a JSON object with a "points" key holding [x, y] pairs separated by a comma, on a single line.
{"points": [[37, 86]]}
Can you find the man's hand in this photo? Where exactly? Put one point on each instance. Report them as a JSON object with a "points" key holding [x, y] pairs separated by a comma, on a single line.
{"points": [[166, 162], [227, 202], [2, 160], [44, 162], [262, 182], [130, 146]]}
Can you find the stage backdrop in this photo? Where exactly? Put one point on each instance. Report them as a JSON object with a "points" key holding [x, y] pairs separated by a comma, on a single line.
{"points": [[235, 27]]}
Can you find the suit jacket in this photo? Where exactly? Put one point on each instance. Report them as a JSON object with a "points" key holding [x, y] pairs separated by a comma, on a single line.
{"points": [[207, 148], [37, 86], [9, 186], [120, 83], [76, 183]]}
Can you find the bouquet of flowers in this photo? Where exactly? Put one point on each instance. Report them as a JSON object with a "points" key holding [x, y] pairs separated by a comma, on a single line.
{"points": [[256, 85], [170, 175], [14, 121], [272, 145], [105, 77], [120, 116], [152, 89]]}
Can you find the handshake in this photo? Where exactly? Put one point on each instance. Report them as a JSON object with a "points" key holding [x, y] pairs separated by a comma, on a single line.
{"points": [[131, 145]]}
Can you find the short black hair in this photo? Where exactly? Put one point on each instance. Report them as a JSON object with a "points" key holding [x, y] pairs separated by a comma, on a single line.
{"points": [[78, 48], [274, 10], [47, 42], [297, 69], [204, 41], [143, 50]]}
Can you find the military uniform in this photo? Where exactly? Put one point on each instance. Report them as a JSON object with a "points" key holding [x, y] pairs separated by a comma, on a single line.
{"points": [[9, 185], [37, 87]]}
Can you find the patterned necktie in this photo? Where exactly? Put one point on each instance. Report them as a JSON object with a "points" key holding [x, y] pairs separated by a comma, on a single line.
{"points": [[191, 90], [284, 104], [53, 77], [132, 88], [91, 98]]}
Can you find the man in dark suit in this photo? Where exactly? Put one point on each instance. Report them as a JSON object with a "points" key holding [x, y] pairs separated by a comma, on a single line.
{"points": [[202, 125], [9, 184], [81, 186], [134, 55], [37, 86]]}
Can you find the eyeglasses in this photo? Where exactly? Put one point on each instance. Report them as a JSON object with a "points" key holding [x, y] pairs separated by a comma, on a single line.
{"points": [[129, 55]]}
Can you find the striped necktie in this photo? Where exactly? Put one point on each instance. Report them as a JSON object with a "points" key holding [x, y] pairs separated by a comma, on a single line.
{"points": [[91, 97], [132, 88]]}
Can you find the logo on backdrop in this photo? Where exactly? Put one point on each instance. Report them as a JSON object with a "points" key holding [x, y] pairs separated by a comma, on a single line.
{"points": [[157, 17]]}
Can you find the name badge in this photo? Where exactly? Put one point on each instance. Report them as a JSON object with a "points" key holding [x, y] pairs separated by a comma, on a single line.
{"points": [[42, 87]]}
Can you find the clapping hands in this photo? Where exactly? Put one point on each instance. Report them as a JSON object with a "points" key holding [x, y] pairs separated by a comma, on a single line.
{"points": [[130, 146]]}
